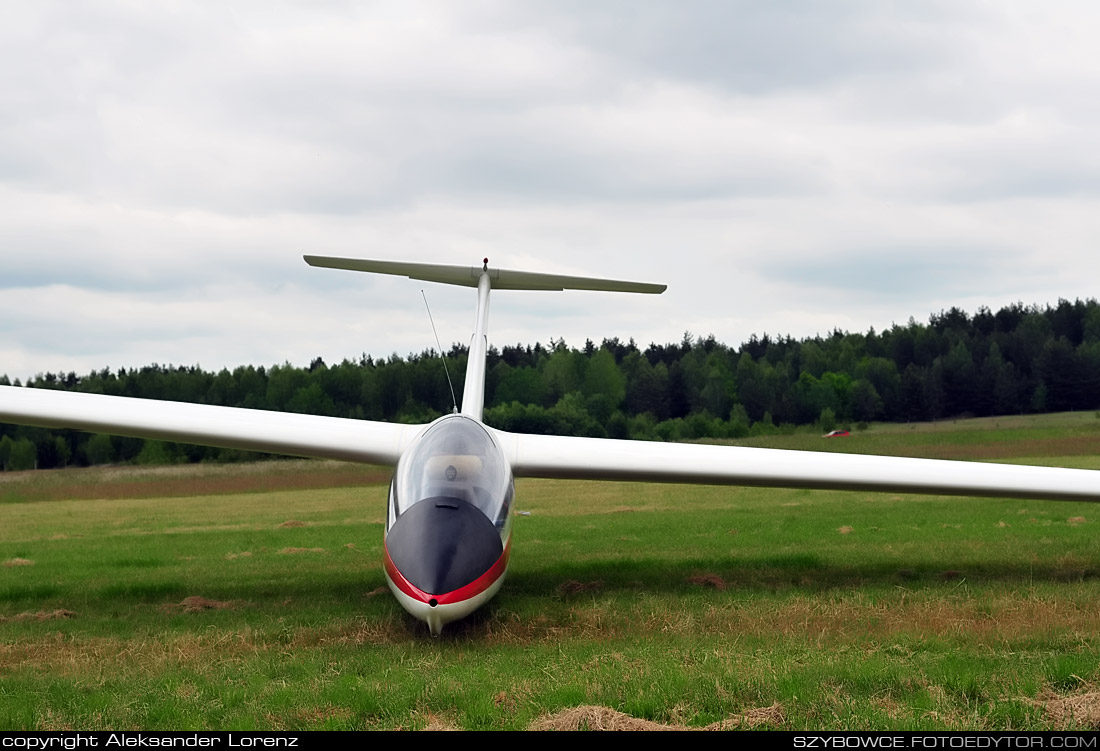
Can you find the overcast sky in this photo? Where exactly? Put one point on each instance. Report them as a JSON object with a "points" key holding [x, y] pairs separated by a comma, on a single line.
{"points": [[785, 167]]}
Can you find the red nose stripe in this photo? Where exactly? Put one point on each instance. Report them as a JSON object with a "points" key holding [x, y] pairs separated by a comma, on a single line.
{"points": [[476, 587]]}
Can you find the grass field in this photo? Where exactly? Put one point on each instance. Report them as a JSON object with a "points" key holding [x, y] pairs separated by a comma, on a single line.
{"points": [[252, 597]]}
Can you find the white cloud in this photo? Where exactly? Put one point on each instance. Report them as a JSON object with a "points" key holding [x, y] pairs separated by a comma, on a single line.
{"points": [[785, 168]]}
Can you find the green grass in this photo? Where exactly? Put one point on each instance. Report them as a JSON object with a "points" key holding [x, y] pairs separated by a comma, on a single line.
{"points": [[681, 605]]}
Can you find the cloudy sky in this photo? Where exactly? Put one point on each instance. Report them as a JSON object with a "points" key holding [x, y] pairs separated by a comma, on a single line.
{"points": [[785, 167]]}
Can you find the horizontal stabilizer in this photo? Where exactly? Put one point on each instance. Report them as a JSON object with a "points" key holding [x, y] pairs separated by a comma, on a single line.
{"points": [[467, 276]]}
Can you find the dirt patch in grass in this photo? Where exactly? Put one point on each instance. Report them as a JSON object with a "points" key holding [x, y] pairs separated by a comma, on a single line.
{"points": [[12, 562], [235, 556], [590, 717], [41, 615], [291, 523], [708, 580], [294, 551], [574, 587], [1065, 712], [197, 604], [1075, 520], [845, 530]]}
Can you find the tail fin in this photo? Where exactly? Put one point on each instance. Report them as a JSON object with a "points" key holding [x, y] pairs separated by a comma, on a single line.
{"points": [[467, 276], [484, 278]]}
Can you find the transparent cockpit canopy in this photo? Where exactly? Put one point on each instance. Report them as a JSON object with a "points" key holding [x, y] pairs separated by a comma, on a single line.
{"points": [[455, 458]]}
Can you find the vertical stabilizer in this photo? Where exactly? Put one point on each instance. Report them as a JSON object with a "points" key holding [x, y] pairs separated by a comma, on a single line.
{"points": [[473, 392]]}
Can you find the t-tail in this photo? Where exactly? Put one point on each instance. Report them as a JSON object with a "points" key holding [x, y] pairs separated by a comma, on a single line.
{"points": [[484, 278]]}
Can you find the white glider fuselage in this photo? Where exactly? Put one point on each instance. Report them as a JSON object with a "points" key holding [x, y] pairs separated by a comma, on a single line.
{"points": [[448, 520]]}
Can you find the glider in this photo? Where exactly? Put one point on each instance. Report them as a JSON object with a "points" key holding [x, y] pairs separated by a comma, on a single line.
{"points": [[449, 523]]}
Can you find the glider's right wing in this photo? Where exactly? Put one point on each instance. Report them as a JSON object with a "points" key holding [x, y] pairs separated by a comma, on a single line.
{"points": [[229, 427], [572, 458]]}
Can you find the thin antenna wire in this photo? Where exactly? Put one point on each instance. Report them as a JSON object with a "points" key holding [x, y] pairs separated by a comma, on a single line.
{"points": [[454, 401]]}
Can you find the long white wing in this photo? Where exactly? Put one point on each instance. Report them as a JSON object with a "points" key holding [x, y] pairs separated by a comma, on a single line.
{"points": [[249, 429], [602, 459], [541, 456]]}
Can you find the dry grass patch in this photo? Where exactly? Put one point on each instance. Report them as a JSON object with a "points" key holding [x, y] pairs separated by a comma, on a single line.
{"points": [[591, 717], [356, 633], [437, 723], [845, 530], [889, 706], [985, 620], [197, 604], [1080, 445], [772, 716], [126, 659], [12, 562], [308, 717], [291, 523], [1072, 568], [235, 556], [189, 480], [295, 551], [41, 615], [563, 498], [1071, 712]]}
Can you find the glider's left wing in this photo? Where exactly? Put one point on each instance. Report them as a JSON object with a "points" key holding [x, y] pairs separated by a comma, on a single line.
{"points": [[602, 459], [229, 427]]}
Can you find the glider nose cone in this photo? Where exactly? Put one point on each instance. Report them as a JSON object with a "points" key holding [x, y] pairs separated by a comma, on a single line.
{"points": [[442, 544]]}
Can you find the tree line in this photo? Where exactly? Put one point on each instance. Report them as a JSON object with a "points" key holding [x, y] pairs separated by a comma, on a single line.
{"points": [[1018, 359]]}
